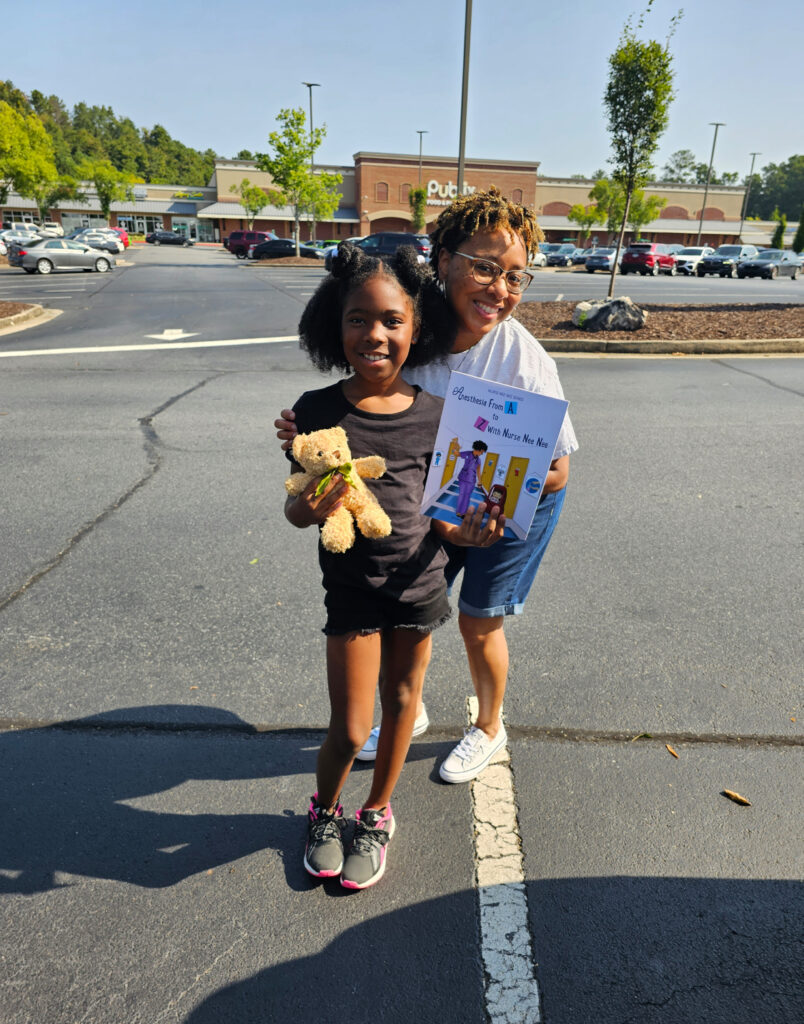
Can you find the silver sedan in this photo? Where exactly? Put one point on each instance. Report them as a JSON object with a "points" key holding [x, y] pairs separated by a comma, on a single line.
{"points": [[48, 254]]}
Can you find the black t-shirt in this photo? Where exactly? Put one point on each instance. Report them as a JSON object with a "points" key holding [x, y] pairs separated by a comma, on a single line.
{"points": [[409, 564]]}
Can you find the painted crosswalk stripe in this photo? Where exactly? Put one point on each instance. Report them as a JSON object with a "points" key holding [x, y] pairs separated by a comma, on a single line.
{"points": [[156, 346]]}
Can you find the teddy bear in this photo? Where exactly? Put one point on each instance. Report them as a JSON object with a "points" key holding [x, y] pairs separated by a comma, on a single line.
{"points": [[323, 453]]}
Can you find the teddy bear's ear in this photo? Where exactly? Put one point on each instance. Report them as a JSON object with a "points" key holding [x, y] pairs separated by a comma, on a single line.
{"points": [[297, 447], [338, 435]]}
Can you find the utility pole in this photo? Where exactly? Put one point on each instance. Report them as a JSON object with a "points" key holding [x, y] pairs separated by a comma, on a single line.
{"points": [[420, 133], [717, 124], [310, 87], [467, 32], [747, 195]]}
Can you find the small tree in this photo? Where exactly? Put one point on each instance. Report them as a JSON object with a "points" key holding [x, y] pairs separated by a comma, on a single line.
{"points": [[637, 99], [609, 198], [643, 210], [48, 194], [253, 199], [417, 198], [289, 166], [798, 237], [26, 152], [586, 217], [112, 186], [777, 242]]}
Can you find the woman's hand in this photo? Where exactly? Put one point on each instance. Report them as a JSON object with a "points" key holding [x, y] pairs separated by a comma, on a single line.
{"points": [[286, 428], [473, 532], [310, 510]]}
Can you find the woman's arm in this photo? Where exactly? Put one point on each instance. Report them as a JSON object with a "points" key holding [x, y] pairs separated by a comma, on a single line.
{"points": [[557, 475]]}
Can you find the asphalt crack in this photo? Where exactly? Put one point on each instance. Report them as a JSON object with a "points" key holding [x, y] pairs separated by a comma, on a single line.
{"points": [[152, 445]]}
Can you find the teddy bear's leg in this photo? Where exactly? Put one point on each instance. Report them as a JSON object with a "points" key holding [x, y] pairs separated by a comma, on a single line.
{"points": [[338, 531], [373, 521]]}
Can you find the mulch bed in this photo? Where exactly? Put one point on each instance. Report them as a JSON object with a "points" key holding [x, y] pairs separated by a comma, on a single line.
{"points": [[10, 308], [674, 322]]}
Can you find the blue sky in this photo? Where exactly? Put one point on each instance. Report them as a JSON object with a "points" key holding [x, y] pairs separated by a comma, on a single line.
{"points": [[215, 75]]}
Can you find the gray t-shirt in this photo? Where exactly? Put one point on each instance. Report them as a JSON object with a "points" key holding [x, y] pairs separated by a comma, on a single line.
{"points": [[409, 564]]}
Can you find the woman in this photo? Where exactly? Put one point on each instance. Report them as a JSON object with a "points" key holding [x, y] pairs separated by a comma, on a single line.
{"points": [[481, 245]]}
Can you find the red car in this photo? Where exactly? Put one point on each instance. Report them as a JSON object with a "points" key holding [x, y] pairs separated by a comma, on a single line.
{"points": [[648, 258], [122, 235]]}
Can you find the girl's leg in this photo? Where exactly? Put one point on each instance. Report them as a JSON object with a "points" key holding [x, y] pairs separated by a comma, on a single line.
{"points": [[487, 651], [353, 663], [405, 657]]}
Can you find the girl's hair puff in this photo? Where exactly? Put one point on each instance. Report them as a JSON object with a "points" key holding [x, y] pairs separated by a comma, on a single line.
{"points": [[483, 211], [434, 324]]}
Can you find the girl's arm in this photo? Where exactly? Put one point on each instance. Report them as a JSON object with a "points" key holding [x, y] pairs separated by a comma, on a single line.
{"points": [[472, 533], [309, 510], [557, 475], [286, 428]]}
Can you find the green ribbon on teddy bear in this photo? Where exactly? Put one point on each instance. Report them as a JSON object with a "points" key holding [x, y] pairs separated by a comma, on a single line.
{"points": [[346, 472]]}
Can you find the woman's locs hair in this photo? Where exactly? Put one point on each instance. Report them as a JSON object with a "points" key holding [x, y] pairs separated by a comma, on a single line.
{"points": [[434, 324], [483, 211]]}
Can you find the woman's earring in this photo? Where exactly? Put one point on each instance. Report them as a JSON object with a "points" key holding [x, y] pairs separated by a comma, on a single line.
{"points": [[442, 287]]}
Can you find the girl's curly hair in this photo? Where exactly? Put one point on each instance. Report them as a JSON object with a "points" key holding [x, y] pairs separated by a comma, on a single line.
{"points": [[483, 211], [320, 325]]}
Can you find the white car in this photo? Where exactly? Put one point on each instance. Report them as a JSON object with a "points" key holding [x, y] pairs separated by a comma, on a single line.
{"points": [[538, 259], [687, 259], [51, 228]]}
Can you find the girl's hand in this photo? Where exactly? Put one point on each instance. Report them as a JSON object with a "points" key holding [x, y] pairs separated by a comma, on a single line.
{"points": [[286, 428], [473, 532], [309, 510]]}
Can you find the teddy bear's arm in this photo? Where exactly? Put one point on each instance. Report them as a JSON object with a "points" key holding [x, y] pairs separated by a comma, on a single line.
{"points": [[295, 484], [371, 467]]}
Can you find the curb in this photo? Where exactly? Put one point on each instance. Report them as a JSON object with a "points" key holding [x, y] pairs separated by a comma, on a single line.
{"points": [[27, 318], [702, 347]]}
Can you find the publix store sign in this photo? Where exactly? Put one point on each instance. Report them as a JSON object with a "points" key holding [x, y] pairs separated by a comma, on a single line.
{"points": [[442, 195]]}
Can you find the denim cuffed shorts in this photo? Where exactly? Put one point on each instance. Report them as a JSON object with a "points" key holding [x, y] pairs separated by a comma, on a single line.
{"points": [[497, 580]]}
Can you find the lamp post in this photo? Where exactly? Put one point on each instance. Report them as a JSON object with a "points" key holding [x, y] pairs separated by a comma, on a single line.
{"points": [[717, 124], [747, 194], [310, 87], [467, 32], [420, 133]]}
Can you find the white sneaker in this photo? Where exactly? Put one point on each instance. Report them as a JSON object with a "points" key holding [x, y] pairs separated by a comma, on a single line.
{"points": [[369, 751], [471, 755]]}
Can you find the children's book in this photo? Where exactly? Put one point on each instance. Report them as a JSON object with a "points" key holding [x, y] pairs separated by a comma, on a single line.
{"points": [[495, 444]]}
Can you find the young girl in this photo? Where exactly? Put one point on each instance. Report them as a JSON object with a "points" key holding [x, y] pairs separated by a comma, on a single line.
{"points": [[383, 597]]}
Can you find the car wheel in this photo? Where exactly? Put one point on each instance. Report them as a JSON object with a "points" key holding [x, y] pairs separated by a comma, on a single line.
{"points": [[185, 245], [772, 273], [157, 242], [701, 273], [794, 275], [654, 270], [590, 270], [741, 276], [102, 265], [240, 254], [732, 272], [672, 271], [44, 266]]}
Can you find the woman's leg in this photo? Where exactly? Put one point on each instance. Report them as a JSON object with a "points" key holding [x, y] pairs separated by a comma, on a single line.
{"points": [[487, 651], [353, 662], [405, 657]]}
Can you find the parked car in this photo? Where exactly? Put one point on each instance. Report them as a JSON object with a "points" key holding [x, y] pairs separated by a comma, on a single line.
{"points": [[427, 246], [3, 248], [168, 238], [238, 242], [562, 256], [725, 260], [122, 234], [688, 258], [107, 241], [275, 248], [771, 263], [385, 243], [601, 259], [648, 258], [53, 228], [538, 259], [582, 255], [18, 237], [48, 254]]}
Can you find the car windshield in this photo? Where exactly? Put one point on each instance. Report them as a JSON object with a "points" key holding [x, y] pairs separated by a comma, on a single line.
{"points": [[603, 252], [693, 250], [769, 254], [566, 248], [728, 250]]}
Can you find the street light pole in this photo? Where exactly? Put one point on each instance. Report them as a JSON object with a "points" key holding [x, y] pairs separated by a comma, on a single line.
{"points": [[747, 194], [717, 124], [310, 87], [420, 133], [467, 32]]}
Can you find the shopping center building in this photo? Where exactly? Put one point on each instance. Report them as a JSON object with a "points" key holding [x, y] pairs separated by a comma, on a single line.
{"points": [[374, 197]]}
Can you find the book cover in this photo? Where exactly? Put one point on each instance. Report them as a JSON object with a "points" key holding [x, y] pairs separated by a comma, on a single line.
{"points": [[495, 444]]}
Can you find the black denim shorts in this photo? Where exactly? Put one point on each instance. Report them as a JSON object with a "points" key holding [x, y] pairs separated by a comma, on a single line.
{"points": [[351, 610]]}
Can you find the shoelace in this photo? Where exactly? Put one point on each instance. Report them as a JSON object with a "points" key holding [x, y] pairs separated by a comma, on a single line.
{"points": [[471, 739], [327, 827], [366, 837]]}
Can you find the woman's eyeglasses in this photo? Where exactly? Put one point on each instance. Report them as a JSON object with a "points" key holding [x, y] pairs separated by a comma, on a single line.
{"points": [[487, 272]]}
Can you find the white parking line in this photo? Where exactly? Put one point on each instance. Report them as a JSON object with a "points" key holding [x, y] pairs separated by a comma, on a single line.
{"points": [[229, 343]]}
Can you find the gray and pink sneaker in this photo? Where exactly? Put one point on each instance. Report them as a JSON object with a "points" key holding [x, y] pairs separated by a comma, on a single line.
{"points": [[323, 854], [365, 862]]}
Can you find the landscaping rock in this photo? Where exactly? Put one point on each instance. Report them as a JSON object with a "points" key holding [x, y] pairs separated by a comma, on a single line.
{"points": [[609, 315]]}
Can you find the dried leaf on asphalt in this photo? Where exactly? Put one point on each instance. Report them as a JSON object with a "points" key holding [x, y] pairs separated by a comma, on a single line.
{"points": [[667, 745], [736, 797]]}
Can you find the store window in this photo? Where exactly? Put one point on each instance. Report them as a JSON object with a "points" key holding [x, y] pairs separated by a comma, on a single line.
{"points": [[404, 192], [381, 191]]}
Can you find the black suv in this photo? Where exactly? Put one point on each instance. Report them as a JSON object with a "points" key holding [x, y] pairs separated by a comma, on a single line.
{"points": [[239, 242], [725, 260], [385, 243], [275, 248]]}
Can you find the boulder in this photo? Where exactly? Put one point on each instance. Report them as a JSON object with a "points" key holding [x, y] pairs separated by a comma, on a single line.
{"points": [[609, 315]]}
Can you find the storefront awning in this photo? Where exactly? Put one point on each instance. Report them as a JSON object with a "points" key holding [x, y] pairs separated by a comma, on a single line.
{"points": [[285, 213]]}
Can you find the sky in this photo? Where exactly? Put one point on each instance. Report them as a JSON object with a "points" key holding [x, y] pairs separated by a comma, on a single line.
{"points": [[215, 75]]}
